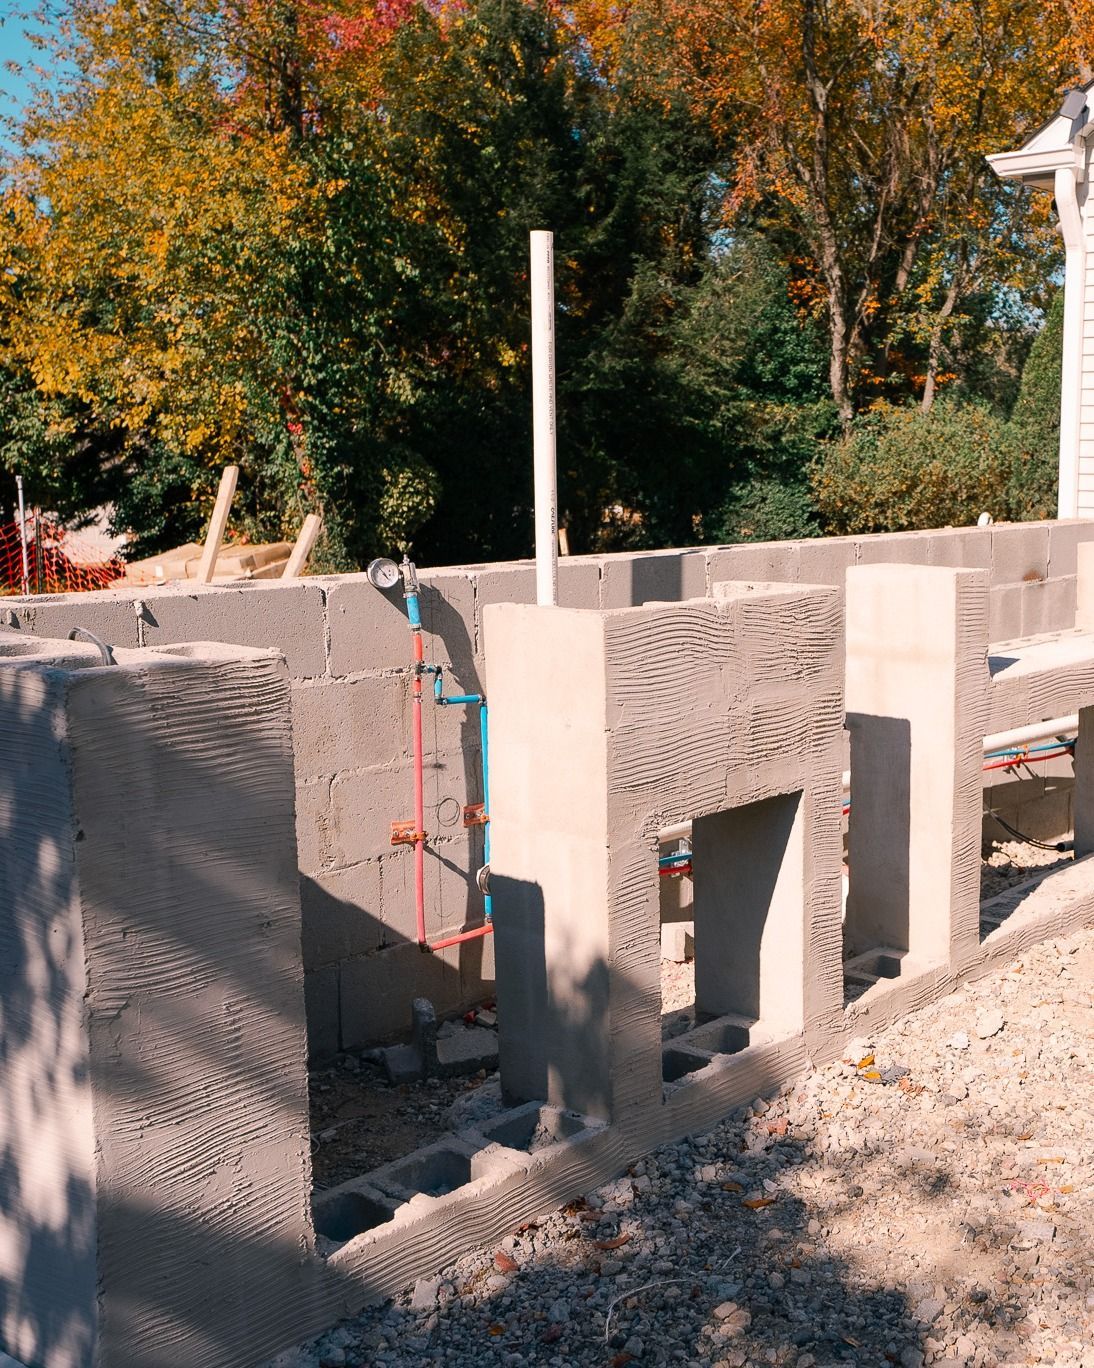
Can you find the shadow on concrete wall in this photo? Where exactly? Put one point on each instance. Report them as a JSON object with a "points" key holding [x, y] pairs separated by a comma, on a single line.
{"points": [[879, 834]]}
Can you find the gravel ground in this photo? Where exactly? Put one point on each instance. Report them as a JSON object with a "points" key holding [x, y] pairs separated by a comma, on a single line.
{"points": [[929, 1200]]}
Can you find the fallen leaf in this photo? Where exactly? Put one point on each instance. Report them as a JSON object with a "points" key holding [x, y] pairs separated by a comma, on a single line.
{"points": [[1054, 1159], [865, 1062], [1067, 1187], [617, 1243], [496, 1330], [755, 1203], [849, 1339], [621, 1359], [732, 1187], [504, 1263], [872, 1076]]}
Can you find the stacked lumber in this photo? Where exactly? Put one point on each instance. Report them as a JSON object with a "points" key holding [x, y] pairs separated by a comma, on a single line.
{"points": [[211, 562], [260, 560]]}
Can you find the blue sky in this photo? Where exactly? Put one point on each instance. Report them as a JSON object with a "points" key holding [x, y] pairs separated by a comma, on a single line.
{"points": [[14, 47]]}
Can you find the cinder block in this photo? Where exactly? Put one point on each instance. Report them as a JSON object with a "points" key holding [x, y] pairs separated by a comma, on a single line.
{"points": [[826, 560], [341, 914], [453, 902], [762, 561], [362, 808], [579, 582], [285, 617], [652, 576], [110, 615], [1019, 553], [368, 627], [1005, 611], [893, 548], [321, 988], [448, 620], [350, 724], [1048, 606], [313, 825], [1063, 538], [678, 941], [967, 548]]}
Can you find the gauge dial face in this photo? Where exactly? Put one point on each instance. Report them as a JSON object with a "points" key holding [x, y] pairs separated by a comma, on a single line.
{"points": [[383, 573]]}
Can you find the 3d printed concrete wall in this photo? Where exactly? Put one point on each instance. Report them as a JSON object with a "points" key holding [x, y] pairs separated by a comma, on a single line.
{"points": [[155, 1185], [347, 649]]}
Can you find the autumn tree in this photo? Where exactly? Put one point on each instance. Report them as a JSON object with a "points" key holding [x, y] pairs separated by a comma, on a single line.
{"points": [[855, 135]]}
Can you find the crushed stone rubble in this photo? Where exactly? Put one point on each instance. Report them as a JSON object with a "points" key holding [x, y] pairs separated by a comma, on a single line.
{"points": [[927, 1200]]}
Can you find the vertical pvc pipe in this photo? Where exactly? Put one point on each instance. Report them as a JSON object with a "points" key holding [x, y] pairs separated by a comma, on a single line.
{"points": [[543, 416], [484, 734], [23, 535], [1071, 226], [414, 615]]}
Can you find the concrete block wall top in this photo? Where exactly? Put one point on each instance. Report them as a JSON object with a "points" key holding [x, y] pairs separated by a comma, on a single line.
{"points": [[153, 1085]]}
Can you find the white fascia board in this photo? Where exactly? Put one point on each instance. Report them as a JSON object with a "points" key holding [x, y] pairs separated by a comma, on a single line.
{"points": [[1032, 167]]}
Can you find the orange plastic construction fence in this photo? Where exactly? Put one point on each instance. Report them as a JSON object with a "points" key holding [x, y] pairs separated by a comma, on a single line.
{"points": [[57, 561]]}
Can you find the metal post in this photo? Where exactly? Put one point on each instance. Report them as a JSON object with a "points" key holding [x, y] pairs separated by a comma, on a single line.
{"points": [[25, 583]]}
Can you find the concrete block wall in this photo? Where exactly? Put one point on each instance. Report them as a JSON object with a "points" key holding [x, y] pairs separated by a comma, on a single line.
{"points": [[347, 650]]}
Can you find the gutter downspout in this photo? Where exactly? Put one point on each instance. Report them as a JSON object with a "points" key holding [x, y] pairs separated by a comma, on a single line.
{"points": [[1071, 226]]}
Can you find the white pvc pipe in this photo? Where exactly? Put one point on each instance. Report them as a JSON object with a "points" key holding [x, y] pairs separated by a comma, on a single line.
{"points": [[543, 416], [1071, 226], [23, 536], [999, 741]]}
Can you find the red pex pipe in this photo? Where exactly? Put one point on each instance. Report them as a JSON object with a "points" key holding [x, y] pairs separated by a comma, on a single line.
{"points": [[419, 793], [487, 929], [1016, 760]]}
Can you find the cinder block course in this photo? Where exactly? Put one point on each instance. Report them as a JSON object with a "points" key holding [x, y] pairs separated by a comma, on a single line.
{"points": [[285, 617], [754, 560], [826, 560], [1064, 537], [350, 724]]}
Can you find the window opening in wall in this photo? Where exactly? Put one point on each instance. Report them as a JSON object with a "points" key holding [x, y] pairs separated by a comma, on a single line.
{"points": [[732, 929]]}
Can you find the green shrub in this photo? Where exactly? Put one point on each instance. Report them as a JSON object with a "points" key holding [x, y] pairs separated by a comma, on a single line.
{"points": [[903, 468]]}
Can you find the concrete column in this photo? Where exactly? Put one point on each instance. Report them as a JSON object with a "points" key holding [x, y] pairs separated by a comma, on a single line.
{"points": [[917, 696], [153, 1102], [1083, 797]]}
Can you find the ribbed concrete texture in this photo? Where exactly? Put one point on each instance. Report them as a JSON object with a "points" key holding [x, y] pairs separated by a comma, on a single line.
{"points": [[348, 652], [154, 1196], [609, 727]]}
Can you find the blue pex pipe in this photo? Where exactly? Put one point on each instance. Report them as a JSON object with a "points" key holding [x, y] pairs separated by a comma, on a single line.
{"points": [[413, 612]]}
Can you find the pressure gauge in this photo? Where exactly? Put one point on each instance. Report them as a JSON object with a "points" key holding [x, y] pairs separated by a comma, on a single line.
{"points": [[383, 573]]}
